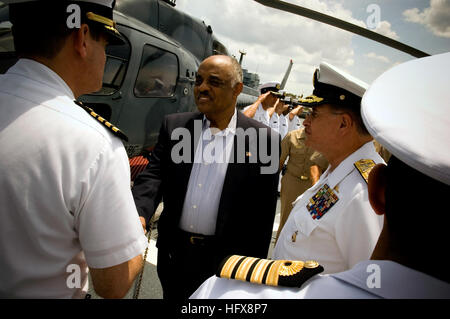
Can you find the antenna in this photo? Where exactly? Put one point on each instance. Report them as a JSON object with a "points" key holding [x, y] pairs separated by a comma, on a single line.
{"points": [[286, 75], [242, 52]]}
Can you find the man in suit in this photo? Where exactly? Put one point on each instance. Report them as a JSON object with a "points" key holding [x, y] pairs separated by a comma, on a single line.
{"points": [[217, 172]]}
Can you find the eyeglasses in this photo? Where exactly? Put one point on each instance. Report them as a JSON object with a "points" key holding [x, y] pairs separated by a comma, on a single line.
{"points": [[314, 114]]}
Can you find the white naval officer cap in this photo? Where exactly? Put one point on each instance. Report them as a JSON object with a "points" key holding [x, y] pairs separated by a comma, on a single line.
{"points": [[269, 86], [334, 86], [407, 110], [96, 12]]}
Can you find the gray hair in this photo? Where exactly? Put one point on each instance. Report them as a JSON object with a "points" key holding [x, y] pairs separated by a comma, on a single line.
{"points": [[238, 77]]}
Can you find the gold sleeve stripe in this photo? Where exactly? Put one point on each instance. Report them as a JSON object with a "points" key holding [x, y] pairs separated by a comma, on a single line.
{"points": [[272, 275], [258, 272], [244, 267], [288, 273], [228, 268]]}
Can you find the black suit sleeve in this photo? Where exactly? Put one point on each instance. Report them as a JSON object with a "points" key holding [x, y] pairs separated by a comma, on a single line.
{"points": [[147, 189]]}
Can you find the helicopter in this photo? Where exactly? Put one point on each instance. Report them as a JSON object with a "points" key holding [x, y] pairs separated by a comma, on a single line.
{"points": [[149, 76], [153, 73]]}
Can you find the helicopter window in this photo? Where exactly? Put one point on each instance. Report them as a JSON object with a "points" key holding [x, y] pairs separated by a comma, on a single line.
{"points": [[158, 73], [117, 57], [219, 48]]}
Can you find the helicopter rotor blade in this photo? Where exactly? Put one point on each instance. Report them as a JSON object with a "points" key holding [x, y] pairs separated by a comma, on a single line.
{"points": [[324, 18]]}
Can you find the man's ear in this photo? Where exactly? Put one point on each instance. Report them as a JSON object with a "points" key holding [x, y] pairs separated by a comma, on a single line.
{"points": [[238, 89], [80, 40], [377, 188], [346, 121]]}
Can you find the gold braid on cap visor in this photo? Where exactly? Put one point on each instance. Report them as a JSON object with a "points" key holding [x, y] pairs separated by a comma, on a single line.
{"points": [[109, 24], [311, 99]]}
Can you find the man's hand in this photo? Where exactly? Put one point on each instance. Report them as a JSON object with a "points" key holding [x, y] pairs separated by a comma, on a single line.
{"points": [[262, 97], [280, 107], [295, 112]]}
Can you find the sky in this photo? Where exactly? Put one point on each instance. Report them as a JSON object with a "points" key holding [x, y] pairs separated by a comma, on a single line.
{"points": [[272, 37]]}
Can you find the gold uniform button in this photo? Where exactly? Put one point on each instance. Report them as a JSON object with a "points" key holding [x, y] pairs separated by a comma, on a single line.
{"points": [[311, 264]]}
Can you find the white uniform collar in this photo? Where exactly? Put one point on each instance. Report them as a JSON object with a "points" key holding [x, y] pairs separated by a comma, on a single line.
{"points": [[34, 70], [396, 280], [346, 166], [230, 129]]}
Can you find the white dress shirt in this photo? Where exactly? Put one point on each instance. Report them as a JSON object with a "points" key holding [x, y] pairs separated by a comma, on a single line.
{"points": [[208, 172], [347, 233]]}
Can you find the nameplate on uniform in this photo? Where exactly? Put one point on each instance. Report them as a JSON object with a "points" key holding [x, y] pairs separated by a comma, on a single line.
{"points": [[288, 273], [364, 167], [321, 202]]}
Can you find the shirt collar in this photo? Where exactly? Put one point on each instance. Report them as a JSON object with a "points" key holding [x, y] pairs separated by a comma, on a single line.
{"points": [[40, 73], [300, 134], [230, 129], [346, 166]]}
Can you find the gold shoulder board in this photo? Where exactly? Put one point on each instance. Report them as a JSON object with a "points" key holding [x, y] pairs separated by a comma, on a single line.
{"points": [[288, 273], [364, 167], [104, 122]]}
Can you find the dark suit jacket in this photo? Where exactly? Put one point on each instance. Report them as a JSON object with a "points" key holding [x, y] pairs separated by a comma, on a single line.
{"points": [[248, 202]]}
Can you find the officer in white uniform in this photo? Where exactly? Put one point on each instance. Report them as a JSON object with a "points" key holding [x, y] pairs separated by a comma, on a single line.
{"points": [[277, 117], [405, 262], [327, 218], [65, 183], [264, 108], [284, 118]]}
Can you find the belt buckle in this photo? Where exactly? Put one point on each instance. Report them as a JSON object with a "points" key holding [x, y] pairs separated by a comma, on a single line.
{"points": [[193, 239]]}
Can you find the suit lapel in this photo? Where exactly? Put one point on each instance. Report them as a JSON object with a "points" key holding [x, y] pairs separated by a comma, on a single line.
{"points": [[234, 171]]}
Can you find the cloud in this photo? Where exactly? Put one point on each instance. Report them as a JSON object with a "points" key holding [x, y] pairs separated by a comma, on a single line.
{"points": [[272, 37], [384, 28], [372, 55], [435, 18]]}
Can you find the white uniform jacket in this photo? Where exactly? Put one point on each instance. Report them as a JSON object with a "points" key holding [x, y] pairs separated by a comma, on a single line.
{"points": [[347, 232], [274, 122], [261, 115], [367, 280], [284, 125], [65, 196], [294, 124]]}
